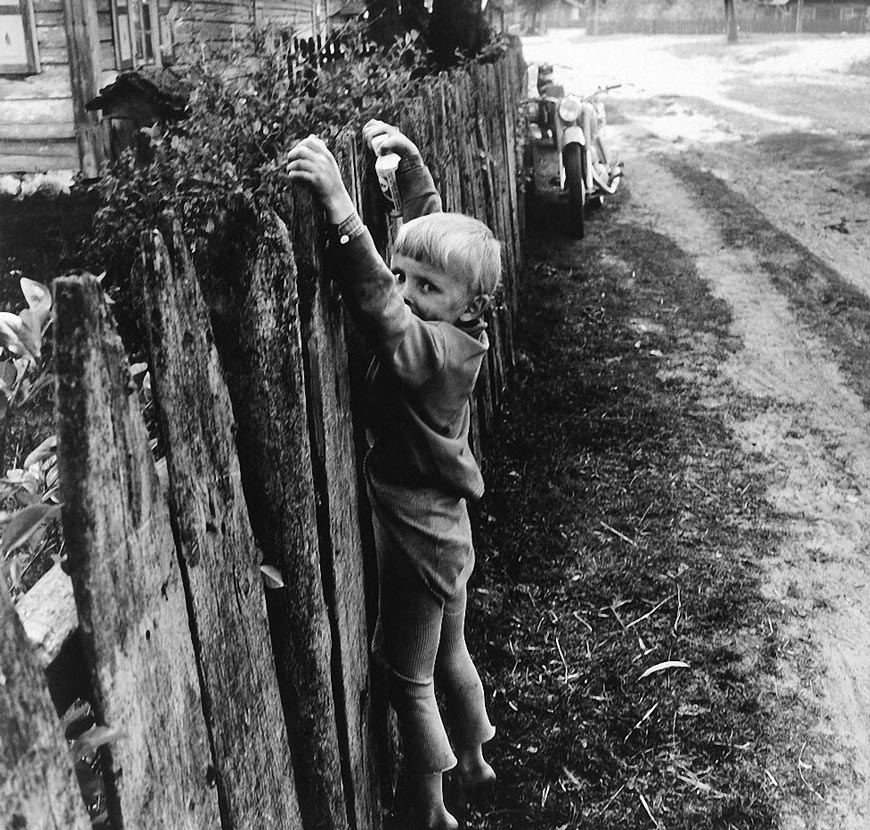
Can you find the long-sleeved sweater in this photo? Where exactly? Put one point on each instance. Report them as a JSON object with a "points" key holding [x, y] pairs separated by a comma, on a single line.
{"points": [[423, 373]]}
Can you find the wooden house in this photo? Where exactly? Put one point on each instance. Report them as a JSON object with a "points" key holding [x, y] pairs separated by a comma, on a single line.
{"points": [[55, 56]]}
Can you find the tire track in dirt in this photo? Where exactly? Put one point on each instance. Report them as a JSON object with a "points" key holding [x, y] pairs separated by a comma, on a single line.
{"points": [[811, 431]]}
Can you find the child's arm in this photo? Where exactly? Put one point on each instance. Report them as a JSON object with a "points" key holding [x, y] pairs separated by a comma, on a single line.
{"points": [[367, 284], [419, 196]]}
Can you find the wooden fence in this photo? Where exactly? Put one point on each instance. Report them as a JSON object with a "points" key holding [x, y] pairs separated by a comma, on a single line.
{"points": [[758, 20], [235, 706]]}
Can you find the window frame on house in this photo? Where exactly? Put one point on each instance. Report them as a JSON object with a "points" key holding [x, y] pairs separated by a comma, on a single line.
{"points": [[13, 13], [140, 39]]}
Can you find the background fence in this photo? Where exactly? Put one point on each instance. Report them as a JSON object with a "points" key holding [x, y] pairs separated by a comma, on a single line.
{"points": [[758, 20], [229, 705]]}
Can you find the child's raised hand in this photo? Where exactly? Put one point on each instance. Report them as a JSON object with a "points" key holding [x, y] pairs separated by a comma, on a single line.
{"points": [[312, 165], [384, 138]]}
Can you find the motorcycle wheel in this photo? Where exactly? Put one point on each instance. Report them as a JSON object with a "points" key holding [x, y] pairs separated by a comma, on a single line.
{"points": [[575, 183]]}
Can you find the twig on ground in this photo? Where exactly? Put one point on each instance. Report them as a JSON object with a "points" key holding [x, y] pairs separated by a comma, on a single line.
{"points": [[618, 533], [646, 807], [646, 715], [611, 799], [576, 615], [801, 773], [650, 612], [564, 661]]}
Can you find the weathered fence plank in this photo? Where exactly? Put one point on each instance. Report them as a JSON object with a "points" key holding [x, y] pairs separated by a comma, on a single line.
{"points": [[37, 787], [219, 558], [259, 340], [132, 609], [298, 718], [336, 483]]}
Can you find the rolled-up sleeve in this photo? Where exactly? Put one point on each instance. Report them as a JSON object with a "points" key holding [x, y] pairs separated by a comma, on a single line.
{"points": [[417, 187]]}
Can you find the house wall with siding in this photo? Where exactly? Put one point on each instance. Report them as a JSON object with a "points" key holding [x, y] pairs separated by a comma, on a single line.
{"points": [[37, 130], [37, 112]]}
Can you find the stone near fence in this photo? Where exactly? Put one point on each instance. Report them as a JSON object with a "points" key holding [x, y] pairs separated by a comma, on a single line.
{"points": [[126, 579], [48, 614]]}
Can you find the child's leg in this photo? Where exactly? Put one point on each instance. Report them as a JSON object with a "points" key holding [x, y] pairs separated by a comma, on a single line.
{"points": [[466, 707], [427, 793], [409, 630]]}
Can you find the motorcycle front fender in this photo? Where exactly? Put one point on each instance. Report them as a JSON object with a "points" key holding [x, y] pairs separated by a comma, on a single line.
{"points": [[573, 135]]}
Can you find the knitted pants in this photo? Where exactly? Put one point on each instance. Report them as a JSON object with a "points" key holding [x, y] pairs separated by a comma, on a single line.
{"points": [[420, 638]]}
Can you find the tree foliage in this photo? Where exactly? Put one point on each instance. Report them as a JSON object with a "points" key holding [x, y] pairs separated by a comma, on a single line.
{"points": [[454, 30], [244, 113]]}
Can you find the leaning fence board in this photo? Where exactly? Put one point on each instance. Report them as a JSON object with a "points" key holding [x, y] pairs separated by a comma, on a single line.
{"points": [[304, 510], [37, 787], [344, 566], [126, 579], [335, 461], [219, 557], [257, 331]]}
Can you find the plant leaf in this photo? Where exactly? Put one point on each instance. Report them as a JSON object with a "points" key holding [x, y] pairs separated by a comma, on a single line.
{"points": [[271, 576], [37, 295], [95, 737], [667, 664], [45, 449], [31, 332], [25, 522], [8, 374], [11, 327]]}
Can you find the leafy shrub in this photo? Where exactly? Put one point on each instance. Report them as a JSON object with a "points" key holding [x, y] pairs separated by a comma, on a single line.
{"points": [[28, 490], [246, 110]]}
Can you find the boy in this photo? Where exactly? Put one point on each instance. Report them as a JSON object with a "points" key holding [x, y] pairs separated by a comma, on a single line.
{"points": [[423, 319]]}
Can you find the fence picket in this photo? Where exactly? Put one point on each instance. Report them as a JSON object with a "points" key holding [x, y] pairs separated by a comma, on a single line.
{"points": [[259, 340], [37, 787], [336, 482], [240, 728], [220, 559], [132, 610]]}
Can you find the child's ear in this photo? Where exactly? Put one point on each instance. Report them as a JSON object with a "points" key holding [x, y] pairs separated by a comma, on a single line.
{"points": [[475, 308]]}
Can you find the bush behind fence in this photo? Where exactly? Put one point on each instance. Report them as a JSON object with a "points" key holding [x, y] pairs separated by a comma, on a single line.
{"points": [[230, 706]]}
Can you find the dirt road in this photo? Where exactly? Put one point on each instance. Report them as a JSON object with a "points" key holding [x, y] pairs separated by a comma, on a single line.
{"points": [[754, 160]]}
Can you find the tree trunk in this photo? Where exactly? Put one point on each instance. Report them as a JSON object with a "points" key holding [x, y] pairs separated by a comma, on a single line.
{"points": [[731, 21]]}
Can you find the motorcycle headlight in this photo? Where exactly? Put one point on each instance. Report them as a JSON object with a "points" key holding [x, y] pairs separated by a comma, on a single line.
{"points": [[569, 109]]}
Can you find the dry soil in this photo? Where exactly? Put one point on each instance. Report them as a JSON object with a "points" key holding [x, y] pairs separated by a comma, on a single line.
{"points": [[723, 143]]}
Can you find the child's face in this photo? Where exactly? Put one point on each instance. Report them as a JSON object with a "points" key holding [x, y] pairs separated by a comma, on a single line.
{"points": [[432, 294]]}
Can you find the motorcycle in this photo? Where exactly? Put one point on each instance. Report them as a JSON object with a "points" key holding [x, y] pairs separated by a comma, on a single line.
{"points": [[587, 171]]}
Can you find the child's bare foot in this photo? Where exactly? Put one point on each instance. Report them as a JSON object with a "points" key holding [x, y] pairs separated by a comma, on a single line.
{"points": [[435, 819], [427, 798], [474, 772]]}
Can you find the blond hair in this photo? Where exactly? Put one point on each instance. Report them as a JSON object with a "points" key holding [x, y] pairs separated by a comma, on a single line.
{"points": [[454, 243]]}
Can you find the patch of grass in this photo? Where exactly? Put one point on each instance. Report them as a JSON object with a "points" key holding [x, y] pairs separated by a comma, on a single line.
{"points": [[619, 533]]}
